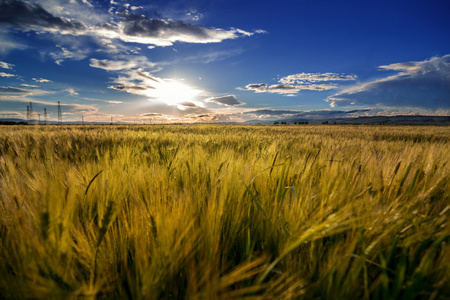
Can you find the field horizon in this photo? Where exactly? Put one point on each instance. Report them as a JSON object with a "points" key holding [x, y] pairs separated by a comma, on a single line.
{"points": [[224, 212]]}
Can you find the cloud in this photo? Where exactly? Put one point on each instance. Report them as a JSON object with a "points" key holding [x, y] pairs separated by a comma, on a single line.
{"points": [[125, 26], [292, 84], [194, 15], [32, 16], [3, 74], [8, 90], [165, 32], [229, 100], [128, 63], [315, 77], [272, 114], [71, 92], [41, 80], [422, 84], [152, 115], [287, 89], [209, 57], [7, 45], [64, 53], [14, 90], [5, 65]]}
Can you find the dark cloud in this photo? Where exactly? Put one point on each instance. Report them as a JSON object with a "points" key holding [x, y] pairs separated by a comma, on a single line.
{"points": [[25, 15], [165, 32], [188, 104], [13, 90], [229, 100], [424, 84], [128, 63], [274, 89], [133, 89], [152, 115]]}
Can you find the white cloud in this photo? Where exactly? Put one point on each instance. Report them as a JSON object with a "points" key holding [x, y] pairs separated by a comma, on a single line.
{"points": [[292, 84], [64, 53], [72, 92], [315, 77], [5, 65], [136, 7], [423, 84], [128, 27], [41, 80], [3, 74], [287, 89]]}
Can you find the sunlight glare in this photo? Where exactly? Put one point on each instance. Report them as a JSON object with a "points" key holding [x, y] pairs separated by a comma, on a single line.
{"points": [[174, 92]]}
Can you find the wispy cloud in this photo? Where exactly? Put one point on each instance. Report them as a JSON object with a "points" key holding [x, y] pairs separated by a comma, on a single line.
{"points": [[128, 63], [292, 84], [41, 80], [63, 54], [8, 90], [3, 74], [421, 84], [5, 65], [212, 56], [71, 91]]}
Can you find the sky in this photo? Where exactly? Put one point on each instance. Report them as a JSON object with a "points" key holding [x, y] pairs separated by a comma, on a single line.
{"points": [[223, 60]]}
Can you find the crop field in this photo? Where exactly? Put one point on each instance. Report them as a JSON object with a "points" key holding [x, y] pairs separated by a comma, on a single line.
{"points": [[224, 212]]}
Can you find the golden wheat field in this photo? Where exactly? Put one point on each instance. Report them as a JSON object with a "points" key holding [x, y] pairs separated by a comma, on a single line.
{"points": [[224, 212]]}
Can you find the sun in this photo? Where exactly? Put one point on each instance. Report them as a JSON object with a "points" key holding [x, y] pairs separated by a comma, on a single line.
{"points": [[174, 92]]}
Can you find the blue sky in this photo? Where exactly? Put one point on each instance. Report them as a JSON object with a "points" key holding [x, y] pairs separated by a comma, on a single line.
{"points": [[223, 60]]}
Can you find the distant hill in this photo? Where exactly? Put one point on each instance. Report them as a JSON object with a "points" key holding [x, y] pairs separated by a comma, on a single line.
{"points": [[376, 120]]}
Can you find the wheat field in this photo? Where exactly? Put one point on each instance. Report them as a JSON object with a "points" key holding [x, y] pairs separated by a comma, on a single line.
{"points": [[224, 212]]}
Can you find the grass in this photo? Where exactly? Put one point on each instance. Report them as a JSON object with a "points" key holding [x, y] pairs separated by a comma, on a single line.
{"points": [[224, 212]]}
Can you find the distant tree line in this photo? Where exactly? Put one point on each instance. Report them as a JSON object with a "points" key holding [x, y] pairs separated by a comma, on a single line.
{"points": [[285, 123]]}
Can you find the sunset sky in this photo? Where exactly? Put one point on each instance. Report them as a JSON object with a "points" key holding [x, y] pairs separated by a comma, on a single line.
{"points": [[223, 60]]}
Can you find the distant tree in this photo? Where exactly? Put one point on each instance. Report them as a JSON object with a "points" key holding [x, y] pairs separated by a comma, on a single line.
{"points": [[325, 122], [275, 123]]}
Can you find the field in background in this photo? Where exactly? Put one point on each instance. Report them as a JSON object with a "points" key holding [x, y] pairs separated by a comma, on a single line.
{"points": [[225, 212]]}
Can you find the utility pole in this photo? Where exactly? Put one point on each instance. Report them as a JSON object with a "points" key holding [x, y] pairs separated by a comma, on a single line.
{"points": [[28, 113], [59, 113], [31, 111], [45, 116], [39, 119], [82, 120]]}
